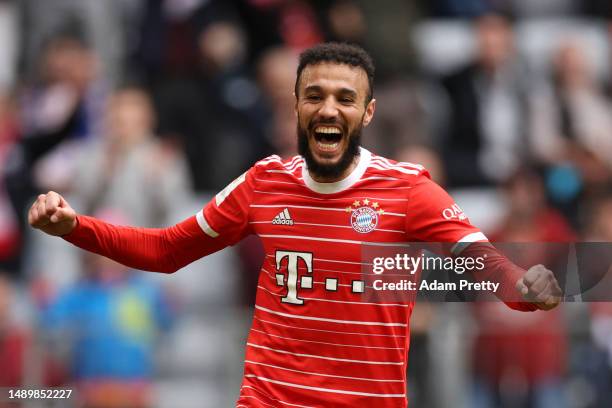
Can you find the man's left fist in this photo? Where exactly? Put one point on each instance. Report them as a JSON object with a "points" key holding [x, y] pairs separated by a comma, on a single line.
{"points": [[540, 287]]}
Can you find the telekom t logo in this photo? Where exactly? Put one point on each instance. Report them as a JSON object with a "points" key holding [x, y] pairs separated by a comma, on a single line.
{"points": [[292, 274]]}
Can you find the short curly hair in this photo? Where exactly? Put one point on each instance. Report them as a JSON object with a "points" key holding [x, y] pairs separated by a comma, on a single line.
{"points": [[340, 53]]}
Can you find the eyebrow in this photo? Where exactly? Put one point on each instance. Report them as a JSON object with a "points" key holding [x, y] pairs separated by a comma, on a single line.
{"points": [[342, 91], [349, 92]]}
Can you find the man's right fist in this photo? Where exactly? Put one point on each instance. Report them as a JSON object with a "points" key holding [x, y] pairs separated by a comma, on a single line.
{"points": [[52, 214]]}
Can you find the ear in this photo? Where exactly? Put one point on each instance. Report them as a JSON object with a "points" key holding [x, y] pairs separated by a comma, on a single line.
{"points": [[295, 107], [369, 112]]}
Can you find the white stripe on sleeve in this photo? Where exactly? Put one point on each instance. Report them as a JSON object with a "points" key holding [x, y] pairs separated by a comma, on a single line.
{"points": [[466, 240], [204, 225]]}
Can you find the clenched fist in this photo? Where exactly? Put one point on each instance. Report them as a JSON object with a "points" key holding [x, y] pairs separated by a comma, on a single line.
{"points": [[539, 286], [52, 214]]}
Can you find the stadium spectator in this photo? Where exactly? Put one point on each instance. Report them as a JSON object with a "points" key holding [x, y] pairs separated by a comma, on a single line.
{"points": [[165, 44], [22, 365], [128, 167], [109, 321], [215, 112], [486, 136], [521, 361], [57, 112], [345, 21], [571, 122], [571, 130], [291, 23], [275, 78], [106, 27], [387, 37], [404, 121]]}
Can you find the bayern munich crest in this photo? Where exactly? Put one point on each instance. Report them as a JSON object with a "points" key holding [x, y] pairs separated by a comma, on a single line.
{"points": [[364, 217]]}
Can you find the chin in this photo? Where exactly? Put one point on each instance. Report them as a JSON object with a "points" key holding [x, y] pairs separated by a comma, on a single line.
{"points": [[328, 160], [328, 165]]}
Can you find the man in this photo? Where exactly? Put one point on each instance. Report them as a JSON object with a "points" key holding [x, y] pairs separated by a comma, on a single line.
{"points": [[314, 341], [486, 137]]}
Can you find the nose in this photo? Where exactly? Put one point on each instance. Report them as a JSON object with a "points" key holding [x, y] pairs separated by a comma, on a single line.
{"points": [[329, 109]]}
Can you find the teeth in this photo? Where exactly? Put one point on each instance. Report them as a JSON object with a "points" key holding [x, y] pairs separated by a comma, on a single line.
{"points": [[327, 130], [327, 146]]}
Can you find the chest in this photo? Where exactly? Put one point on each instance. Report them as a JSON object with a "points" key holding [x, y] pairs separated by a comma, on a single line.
{"points": [[356, 217]]}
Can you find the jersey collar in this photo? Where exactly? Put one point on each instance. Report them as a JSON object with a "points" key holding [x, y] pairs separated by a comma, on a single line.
{"points": [[335, 187]]}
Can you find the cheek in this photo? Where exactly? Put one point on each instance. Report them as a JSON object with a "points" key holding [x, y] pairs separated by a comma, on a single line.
{"points": [[357, 119], [304, 115]]}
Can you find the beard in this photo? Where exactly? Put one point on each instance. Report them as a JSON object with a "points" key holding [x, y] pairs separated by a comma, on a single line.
{"points": [[328, 171]]}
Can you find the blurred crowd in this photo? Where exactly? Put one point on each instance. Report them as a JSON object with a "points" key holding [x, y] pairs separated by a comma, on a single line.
{"points": [[139, 110]]}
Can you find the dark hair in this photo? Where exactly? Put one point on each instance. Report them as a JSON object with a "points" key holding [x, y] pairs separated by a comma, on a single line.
{"points": [[340, 53]]}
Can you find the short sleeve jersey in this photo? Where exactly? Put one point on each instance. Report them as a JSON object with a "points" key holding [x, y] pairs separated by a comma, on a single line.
{"points": [[314, 341]]}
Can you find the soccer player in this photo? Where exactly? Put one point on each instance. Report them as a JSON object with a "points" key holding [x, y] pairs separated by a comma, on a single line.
{"points": [[314, 341]]}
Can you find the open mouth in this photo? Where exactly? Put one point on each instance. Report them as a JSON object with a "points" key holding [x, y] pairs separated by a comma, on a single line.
{"points": [[327, 137]]}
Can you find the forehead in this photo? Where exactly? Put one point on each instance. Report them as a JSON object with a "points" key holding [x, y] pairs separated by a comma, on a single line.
{"points": [[333, 76]]}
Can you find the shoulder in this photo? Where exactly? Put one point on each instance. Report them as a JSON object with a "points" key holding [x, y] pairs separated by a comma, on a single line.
{"points": [[409, 172], [275, 164]]}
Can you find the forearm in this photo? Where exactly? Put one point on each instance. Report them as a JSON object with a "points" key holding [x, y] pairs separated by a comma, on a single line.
{"points": [[151, 249], [499, 269]]}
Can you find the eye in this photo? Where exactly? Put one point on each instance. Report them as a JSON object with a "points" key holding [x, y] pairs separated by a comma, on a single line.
{"points": [[313, 97], [346, 100]]}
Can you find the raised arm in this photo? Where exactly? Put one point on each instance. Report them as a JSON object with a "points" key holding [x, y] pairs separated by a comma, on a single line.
{"points": [[152, 249], [521, 290], [435, 217], [222, 222]]}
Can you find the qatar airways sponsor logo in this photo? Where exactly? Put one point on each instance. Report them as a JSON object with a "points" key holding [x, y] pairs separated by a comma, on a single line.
{"points": [[453, 212]]}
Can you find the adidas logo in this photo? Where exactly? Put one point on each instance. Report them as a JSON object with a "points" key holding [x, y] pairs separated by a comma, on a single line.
{"points": [[283, 218]]}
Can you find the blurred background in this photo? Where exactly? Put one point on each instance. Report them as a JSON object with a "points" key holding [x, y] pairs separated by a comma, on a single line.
{"points": [[138, 111]]}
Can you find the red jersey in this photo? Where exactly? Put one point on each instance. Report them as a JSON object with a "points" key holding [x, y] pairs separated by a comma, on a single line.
{"points": [[314, 342]]}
